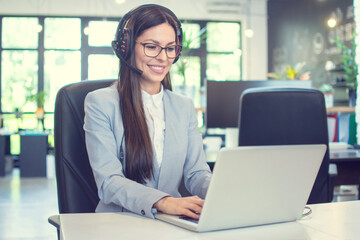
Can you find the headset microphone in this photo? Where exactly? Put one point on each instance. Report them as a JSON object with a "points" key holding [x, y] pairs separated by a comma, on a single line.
{"points": [[116, 47]]}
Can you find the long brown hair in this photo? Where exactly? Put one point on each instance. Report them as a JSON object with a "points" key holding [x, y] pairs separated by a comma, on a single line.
{"points": [[139, 152]]}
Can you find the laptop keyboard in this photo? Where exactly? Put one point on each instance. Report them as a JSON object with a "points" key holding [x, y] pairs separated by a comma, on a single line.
{"points": [[189, 219]]}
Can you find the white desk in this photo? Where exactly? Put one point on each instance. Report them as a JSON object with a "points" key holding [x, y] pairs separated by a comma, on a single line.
{"points": [[327, 222]]}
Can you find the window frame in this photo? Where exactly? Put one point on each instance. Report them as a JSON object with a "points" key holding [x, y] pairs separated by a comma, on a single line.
{"points": [[86, 50]]}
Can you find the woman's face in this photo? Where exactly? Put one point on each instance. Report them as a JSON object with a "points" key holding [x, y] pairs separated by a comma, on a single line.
{"points": [[154, 68]]}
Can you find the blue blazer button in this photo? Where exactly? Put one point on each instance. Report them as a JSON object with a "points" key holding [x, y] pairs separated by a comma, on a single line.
{"points": [[142, 212]]}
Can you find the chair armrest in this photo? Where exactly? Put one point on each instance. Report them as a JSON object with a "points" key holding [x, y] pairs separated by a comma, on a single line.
{"points": [[55, 221]]}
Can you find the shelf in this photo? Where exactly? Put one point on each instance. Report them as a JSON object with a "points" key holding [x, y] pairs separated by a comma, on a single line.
{"points": [[340, 84], [342, 109], [337, 70], [339, 109]]}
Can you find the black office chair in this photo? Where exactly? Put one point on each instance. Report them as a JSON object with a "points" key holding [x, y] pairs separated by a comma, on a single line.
{"points": [[76, 188], [281, 116]]}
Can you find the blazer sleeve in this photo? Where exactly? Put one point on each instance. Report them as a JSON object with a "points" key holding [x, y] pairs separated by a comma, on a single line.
{"points": [[197, 173], [103, 147]]}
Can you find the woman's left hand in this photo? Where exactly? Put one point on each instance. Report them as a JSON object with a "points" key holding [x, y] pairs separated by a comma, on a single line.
{"points": [[188, 206]]}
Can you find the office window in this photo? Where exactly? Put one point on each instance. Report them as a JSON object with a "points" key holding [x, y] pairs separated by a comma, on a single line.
{"points": [[61, 68], [101, 33], [224, 51], [19, 73], [222, 37], [186, 72], [192, 35], [191, 71], [20, 32], [223, 67], [103, 66], [62, 33], [19, 79], [45, 53], [19, 63], [101, 61]]}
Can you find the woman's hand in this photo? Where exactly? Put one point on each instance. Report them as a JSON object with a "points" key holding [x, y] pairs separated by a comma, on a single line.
{"points": [[188, 206]]}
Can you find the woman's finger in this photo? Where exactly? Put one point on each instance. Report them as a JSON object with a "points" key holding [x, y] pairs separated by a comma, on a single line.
{"points": [[191, 214], [194, 208]]}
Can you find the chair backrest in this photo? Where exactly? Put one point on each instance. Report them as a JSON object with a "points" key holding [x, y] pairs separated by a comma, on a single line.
{"points": [[77, 191], [279, 116]]}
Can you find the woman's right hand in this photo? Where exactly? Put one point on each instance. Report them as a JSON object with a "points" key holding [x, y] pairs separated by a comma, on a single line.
{"points": [[188, 206]]}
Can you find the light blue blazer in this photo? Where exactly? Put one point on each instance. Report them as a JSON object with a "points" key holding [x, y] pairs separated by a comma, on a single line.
{"points": [[183, 154]]}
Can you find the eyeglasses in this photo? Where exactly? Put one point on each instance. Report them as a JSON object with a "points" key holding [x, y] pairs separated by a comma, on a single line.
{"points": [[153, 50]]}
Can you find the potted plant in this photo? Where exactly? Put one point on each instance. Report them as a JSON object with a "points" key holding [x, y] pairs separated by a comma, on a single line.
{"points": [[349, 66], [291, 73], [39, 98], [328, 92]]}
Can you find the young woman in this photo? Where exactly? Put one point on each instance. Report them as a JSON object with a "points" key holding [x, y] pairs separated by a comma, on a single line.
{"points": [[142, 138]]}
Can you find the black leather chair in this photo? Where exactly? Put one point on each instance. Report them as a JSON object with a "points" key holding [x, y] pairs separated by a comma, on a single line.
{"points": [[281, 116], [76, 188]]}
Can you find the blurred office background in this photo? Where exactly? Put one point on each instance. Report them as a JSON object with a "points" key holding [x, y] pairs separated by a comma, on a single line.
{"points": [[47, 44]]}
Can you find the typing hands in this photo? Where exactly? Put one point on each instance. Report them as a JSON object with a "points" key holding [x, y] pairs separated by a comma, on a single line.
{"points": [[188, 206]]}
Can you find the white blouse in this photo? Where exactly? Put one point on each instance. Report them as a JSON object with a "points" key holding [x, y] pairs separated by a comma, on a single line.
{"points": [[154, 114]]}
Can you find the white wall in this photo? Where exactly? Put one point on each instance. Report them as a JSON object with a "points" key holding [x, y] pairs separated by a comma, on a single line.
{"points": [[249, 12]]}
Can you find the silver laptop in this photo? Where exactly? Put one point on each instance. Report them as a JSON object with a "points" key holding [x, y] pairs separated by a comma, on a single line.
{"points": [[255, 186]]}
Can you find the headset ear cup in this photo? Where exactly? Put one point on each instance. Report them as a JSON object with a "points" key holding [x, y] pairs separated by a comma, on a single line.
{"points": [[124, 43], [178, 53], [178, 41]]}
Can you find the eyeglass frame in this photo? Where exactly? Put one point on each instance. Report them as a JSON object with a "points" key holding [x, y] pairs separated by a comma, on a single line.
{"points": [[162, 48]]}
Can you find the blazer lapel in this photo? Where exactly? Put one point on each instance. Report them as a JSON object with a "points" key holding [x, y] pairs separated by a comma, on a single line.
{"points": [[167, 116], [169, 139]]}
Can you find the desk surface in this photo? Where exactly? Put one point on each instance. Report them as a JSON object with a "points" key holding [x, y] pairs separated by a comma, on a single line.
{"points": [[344, 155], [335, 156], [327, 222], [348, 166]]}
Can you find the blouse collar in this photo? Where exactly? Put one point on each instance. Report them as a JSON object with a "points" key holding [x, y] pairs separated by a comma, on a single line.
{"points": [[155, 98]]}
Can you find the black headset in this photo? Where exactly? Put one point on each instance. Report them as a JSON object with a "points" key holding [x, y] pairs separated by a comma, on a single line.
{"points": [[122, 43]]}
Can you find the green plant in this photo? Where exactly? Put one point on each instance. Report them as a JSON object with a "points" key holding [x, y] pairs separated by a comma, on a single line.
{"points": [[188, 41], [347, 60], [326, 88], [39, 98]]}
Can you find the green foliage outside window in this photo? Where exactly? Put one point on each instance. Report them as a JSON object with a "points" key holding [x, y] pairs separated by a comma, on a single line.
{"points": [[61, 68], [222, 37], [219, 50], [18, 77], [186, 71], [223, 67], [20, 32], [224, 51]]}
